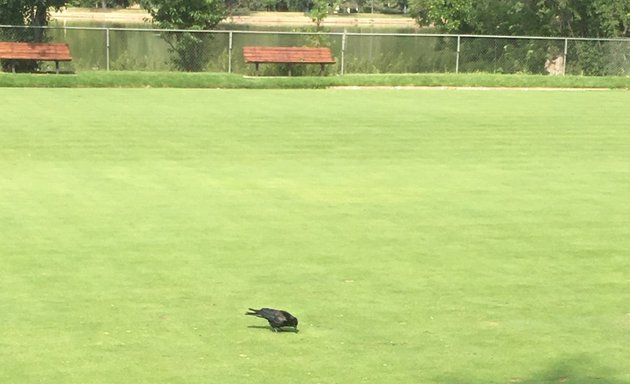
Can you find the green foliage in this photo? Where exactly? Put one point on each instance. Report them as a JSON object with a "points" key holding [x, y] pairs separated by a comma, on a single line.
{"points": [[186, 14], [618, 59], [507, 55], [451, 16], [579, 18], [319, 11], [601, 58], [277, 5], [613, 17], [188, 49], [27, 12], [126, 63], [575, 18], [317, 37]]}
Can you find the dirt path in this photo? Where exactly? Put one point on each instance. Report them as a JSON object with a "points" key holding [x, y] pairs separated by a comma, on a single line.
{"points": [[259, 18]]}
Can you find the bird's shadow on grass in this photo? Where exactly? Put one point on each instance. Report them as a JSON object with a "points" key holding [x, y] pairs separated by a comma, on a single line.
{"points": [[271, 329], [576, 370]]}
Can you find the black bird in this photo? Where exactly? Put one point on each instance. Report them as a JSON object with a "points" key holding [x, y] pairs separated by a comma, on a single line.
{"points": [[276, 318]]}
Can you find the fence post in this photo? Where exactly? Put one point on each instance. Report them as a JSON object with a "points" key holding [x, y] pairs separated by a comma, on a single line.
{"points": [[107, 48], [564, 58], [343, 51], [230, 54], [459, 44]]}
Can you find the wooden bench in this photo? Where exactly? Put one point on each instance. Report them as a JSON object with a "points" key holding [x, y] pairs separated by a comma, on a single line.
{"points": [[287, 55], [35, 51]]}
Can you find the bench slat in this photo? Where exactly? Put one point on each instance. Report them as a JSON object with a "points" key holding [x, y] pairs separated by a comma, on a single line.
{"points": [[290, 55], [35, 51]]}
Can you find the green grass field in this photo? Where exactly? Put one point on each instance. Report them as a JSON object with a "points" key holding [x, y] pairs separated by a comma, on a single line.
{"points": [[421, 236]]}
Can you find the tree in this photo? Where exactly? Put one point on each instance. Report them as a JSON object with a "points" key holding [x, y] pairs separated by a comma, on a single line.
{"points": [[186, 14], [189, 49], [319, 11], [27, 12], [450, 16], [30, 13], [576, 18], [572, 18]]}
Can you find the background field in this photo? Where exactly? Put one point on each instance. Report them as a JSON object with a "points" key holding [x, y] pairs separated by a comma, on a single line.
{"points": [[420, 236]]}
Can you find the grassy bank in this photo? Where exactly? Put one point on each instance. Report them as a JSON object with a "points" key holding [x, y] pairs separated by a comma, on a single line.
{"points": [[223, 80]]}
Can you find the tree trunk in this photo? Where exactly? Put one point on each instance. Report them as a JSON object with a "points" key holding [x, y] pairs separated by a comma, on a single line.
{"points": [[40, 19]]}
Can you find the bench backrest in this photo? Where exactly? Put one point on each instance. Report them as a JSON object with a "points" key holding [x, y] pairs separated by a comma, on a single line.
{"points": [[35, 51], [288, 55]]}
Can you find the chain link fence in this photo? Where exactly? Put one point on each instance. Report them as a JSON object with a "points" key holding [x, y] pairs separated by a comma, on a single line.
{"points": [[115, 49]]}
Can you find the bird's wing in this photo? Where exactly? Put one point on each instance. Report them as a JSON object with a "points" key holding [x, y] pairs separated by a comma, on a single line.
{"points": [[273, 316], [279, 317], [287, 315]]}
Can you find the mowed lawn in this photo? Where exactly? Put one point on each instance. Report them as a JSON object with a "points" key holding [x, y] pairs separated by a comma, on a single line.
{"points": [[420, 236]]}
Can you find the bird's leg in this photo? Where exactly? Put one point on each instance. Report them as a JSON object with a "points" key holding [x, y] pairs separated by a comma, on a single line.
{"points": [[274, 329]]}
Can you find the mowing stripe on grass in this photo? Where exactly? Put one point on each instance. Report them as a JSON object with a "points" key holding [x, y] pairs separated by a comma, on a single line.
{"points": [[420, 236]]}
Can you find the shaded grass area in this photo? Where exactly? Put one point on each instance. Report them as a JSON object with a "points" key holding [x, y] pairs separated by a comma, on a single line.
{"points": [[420, 236], [222, 80]]}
